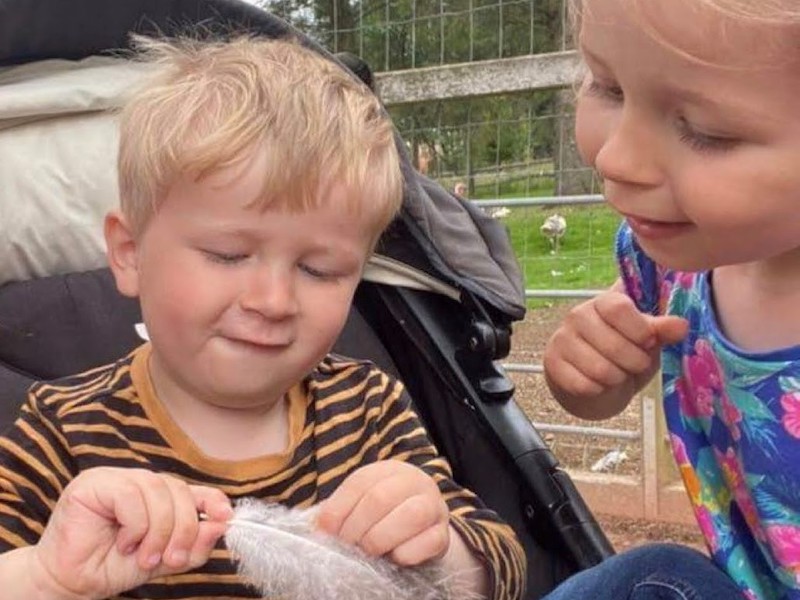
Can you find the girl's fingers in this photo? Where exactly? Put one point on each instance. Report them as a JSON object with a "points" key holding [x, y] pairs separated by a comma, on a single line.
{"points": [[616, 349], [570, 379], [590, 362], [619, 312]]}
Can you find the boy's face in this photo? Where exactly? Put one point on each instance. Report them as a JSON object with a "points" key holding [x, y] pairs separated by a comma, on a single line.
{"points": [[240, 303]]}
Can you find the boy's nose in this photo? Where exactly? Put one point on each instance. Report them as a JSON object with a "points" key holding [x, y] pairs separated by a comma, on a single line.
{"points": [[628, 154], [270, 293]]}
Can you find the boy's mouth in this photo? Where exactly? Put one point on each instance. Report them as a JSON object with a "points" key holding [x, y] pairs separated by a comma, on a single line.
{"points": [[256, 343]]}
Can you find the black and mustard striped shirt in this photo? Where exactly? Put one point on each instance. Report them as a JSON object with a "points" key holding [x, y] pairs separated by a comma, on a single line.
{"points": [[342, 416]]}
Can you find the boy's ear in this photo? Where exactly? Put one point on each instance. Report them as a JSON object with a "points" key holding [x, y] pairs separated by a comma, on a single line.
{"points": [[121, 251]]}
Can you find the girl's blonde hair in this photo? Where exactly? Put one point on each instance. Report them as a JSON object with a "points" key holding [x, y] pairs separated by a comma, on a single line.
{"points": [[212, 104], [783, 14]]}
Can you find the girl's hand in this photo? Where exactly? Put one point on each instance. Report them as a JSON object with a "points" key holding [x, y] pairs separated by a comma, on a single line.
{"points": [[605, 351]]}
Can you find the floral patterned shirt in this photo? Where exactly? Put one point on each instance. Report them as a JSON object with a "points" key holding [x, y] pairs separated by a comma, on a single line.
{"points": [[734, 423]]}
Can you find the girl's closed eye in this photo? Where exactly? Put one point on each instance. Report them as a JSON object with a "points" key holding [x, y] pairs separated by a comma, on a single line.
{"points": [[607, 91], [703, 142]]}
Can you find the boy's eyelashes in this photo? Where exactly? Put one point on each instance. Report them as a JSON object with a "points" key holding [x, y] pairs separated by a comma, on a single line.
{"points": [[317, 273], [225, 258], [233, 258]]}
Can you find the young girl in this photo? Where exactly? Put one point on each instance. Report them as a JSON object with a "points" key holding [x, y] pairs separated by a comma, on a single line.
{"points": [[689, 113]]}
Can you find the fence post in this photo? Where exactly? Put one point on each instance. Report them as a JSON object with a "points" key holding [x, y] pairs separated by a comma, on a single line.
{"points": [[651, 408], [657, 463]]}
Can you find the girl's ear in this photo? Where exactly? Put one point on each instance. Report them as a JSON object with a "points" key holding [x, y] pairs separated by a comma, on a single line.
{"points": [[121, 250]]}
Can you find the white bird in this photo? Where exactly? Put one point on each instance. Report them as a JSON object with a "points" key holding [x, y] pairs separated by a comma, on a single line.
{"points": [[500, 213], [554, 227], [610, 461]]}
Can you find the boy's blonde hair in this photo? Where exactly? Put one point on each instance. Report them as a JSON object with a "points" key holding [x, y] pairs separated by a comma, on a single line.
{"points": [[212, 104]]}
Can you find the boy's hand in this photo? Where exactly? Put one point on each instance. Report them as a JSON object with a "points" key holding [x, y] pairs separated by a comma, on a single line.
{"points": [[114, 529], [390, 508], [606, 350]]}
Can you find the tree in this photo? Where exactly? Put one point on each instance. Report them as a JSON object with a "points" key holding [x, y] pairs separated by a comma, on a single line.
{"points": [[467, 138]]}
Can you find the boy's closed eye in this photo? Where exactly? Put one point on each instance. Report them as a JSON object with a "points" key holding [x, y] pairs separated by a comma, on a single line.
{"points": [[226, 258], [319, 273]]}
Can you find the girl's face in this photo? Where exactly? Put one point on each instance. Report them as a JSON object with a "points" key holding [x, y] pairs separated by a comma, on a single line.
{"points": [[693, 122]]}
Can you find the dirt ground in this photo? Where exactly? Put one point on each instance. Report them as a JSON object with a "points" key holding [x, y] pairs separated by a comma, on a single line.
{"points": [[579, 451]]}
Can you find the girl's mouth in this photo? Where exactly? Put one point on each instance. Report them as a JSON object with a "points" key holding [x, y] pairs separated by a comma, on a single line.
{"points": [[657, 230]]}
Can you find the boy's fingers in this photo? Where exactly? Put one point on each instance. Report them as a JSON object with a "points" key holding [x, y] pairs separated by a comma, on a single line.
{"points": [[130, 510], [428, 545], [669, 329], [207, 536], [212, 502], [161, 518], [336, 510], [186, 525], [410, 518], [374, 505]]}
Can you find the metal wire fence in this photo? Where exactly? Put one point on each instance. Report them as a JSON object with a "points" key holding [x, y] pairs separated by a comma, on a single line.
{"points": [[408, 34], [482, 93]]}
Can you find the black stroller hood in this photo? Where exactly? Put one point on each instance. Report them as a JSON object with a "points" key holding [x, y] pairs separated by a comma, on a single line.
{"points": [[436, 232]]}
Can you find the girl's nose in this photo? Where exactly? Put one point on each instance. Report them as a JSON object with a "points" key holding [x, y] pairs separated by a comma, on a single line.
{"points": [[271, 293], [629, 152]]}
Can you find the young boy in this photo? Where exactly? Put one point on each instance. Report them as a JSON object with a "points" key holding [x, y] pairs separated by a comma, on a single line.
{"points": [[255, 179]]}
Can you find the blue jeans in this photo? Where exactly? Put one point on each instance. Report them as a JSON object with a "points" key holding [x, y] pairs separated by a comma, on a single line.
{"points": [[654, 572]]}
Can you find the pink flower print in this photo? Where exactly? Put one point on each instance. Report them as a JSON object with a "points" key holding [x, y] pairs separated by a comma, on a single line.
{"points": [[731, 416], [791, 417], [785, 543], [734, 477], [678, 449], [684, 280], [750, 594], [704, 367], [701, 381], [631, 278], [694, 403], [706, 523]]}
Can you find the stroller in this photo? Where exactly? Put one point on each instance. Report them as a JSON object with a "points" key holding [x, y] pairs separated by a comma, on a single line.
{"points": [[435, 306]]}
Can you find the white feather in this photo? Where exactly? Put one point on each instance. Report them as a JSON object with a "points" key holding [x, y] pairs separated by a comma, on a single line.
{"points": [[281, 554]]}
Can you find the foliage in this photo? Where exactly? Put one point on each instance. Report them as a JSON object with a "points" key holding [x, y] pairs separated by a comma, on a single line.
{"points": [[462, 138]]}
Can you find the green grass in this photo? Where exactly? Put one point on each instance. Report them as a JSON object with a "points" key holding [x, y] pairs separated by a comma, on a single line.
{"points": [[585, 256]]}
